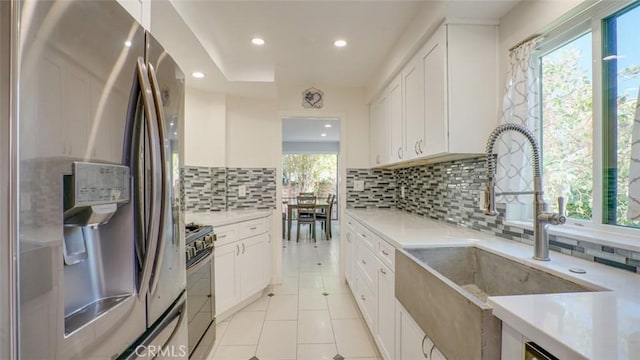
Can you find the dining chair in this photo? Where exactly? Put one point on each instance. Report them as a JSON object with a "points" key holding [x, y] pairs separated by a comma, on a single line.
{"points": [[306, 211], [325, 217]]}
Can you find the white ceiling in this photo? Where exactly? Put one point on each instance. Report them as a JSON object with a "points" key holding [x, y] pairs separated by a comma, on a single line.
{"points": [[310, 129], [299, 37]]}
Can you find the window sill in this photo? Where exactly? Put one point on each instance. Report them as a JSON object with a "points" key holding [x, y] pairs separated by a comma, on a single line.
{"points": [[596, 236]]}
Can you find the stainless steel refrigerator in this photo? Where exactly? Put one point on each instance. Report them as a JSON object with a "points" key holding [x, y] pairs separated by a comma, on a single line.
{"points": [[90, 108]]}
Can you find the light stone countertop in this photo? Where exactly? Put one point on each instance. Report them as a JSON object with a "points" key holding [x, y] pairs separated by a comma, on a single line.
{"points": [[220, 218], [596, 325]]}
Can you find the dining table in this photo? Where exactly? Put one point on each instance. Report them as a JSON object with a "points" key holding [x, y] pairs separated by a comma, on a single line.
{"points": [[291, 205]]}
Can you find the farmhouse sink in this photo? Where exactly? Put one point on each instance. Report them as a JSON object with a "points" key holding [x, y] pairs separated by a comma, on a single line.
{"points": [[445, 290]]}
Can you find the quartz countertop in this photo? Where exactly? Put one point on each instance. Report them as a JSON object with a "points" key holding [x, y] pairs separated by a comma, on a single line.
{"points": [[594, 325], [220, 218]]}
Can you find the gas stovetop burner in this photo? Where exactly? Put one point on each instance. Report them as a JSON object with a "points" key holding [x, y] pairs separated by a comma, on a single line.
{"points": [[194, 232]]}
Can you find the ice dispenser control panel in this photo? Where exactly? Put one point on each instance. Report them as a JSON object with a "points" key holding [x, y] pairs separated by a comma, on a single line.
{"points": [[100, 184]]}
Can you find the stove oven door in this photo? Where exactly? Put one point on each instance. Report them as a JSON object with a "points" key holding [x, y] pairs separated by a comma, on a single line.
{"points": [[201, 304]]}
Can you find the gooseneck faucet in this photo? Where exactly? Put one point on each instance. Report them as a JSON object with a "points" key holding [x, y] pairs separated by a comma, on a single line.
{"points": [[541, 216]]}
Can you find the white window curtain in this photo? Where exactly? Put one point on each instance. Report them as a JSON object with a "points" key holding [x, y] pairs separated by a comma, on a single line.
{"points": [[520, 106], [633, 211]]}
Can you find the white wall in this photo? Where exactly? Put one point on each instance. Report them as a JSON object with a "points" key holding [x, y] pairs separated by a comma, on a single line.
{"points": [[297, 147], [254, 137], [204, 128], [348, 104]]}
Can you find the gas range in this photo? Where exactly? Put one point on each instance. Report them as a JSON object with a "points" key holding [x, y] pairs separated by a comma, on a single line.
{"points": [[199, 240]]}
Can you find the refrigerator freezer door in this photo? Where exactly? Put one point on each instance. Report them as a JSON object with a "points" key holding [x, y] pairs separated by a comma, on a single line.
{"points": [[76, 62], [169, 276]]}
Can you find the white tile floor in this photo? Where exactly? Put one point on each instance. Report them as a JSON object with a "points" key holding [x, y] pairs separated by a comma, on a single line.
{"points": [[299, 321]]}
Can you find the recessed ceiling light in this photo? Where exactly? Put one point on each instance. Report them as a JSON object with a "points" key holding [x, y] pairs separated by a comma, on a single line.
{"points": [[327, 125], [127, 43], [198, 74], [323, 134], [175, 133], [257, 41], [340, 43]]}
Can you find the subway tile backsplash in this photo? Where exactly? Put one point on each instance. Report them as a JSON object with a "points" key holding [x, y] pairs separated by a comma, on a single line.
{"points": [[216, 189], [449, 192]]}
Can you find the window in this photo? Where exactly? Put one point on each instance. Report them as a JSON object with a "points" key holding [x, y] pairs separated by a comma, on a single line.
{"points": [[589, 78], [567, 126], [621, 79]]}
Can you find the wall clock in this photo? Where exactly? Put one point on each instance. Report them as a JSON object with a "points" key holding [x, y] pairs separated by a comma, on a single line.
{"points": [[312, 98]]}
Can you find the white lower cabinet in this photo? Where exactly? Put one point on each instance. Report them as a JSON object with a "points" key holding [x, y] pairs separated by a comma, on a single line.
{"points": [[252, 265], [370, 272], [385, 327], [409, 336], [242, 265], [227, 263]]}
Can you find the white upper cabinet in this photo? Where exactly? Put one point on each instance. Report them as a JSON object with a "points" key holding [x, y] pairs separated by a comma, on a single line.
{"points": [[413, 108], [396, 126], [444, 102], [379, 124], [433, 57]]}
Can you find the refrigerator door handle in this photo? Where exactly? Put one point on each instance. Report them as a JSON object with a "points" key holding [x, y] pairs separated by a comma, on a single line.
{"points": [[152, 227], [162, 139]]}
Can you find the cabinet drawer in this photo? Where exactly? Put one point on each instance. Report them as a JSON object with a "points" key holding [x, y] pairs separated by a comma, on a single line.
{"points": [[367, 237], [351, 222], [386, 253], [252, 228], [366, 261], [225, 234], [367, 300]]}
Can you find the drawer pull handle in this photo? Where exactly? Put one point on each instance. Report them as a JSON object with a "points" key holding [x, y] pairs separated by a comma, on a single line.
{"points": [[253, 228], [383, 272], [385, 253], [363, 298], [237, 249], [364, 235], [243, 248], [222, 236], [364, 262]]}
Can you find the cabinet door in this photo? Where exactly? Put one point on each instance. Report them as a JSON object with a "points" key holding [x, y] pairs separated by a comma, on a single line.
{"points": [[395, 120], [348, 256], [226, 263], [383, 128], [385, 332], [435, 89], [409, 336], [367, 300], [267, 259], [251, 265], [413, 107]]}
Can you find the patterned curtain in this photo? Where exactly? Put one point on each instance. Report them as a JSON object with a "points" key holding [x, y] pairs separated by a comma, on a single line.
{"points": [[520, 106], [633, 212]]}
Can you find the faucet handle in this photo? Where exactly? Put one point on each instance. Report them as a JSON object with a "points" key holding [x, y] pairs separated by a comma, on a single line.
{"points": [[562, 206], [562, 210]]}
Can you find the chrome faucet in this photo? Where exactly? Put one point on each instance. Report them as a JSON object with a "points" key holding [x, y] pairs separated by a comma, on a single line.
{"points": [[541, 216]]}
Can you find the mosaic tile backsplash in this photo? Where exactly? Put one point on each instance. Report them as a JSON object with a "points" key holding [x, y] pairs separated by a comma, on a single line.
{"points": [[260, 185], [216, 189], [448, 192], [379, 189]]}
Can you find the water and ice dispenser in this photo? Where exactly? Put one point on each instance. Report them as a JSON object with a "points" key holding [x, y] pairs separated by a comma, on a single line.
{"points": [[98, 241]]}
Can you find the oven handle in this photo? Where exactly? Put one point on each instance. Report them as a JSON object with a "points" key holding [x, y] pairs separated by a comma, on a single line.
{"points": [[196, 266]]}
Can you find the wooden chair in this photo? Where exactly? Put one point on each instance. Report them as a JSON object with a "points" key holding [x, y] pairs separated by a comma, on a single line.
{"points": [[325, 217], [306, 211]]}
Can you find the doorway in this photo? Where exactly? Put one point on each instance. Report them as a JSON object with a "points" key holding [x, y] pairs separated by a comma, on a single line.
{"points": [[310, 164]]}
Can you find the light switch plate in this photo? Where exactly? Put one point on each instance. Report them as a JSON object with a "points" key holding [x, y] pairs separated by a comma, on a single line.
{"points": [[358, 185], [242, 191]]}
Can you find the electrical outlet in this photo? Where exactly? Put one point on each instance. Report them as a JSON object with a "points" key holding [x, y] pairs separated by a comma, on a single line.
{"points": [[242, 191], [402, 192], [358, 185], [481, 199]]}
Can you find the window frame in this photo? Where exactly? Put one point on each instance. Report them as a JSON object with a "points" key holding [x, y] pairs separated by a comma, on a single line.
{"points": [[591, 19]]}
